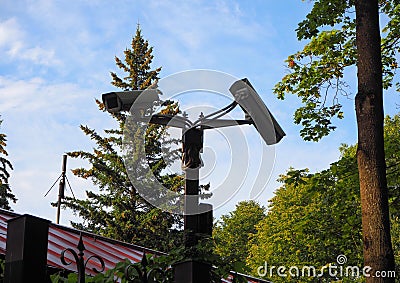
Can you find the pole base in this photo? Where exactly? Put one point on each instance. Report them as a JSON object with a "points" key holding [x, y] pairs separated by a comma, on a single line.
{"points": [[192, 271]]}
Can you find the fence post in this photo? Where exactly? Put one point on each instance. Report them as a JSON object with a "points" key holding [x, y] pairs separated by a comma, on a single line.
{"points": [[26, 249]]}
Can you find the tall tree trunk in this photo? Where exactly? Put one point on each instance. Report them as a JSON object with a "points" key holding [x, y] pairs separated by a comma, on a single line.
{"points": [[378, 252]]}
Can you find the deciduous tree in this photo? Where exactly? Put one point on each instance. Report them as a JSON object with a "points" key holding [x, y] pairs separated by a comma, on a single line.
{"points": [[234, 230], [315, 217], [343, 34]]}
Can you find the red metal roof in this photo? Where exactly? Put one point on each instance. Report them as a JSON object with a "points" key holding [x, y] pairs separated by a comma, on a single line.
{"points": [[110, 250]]}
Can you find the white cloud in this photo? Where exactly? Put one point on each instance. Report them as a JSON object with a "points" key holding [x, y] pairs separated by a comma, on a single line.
{"points": [[10, 34], [195, 24], [13, 42], [40, 56], [193, 34], [35, 95], [42, 121]]}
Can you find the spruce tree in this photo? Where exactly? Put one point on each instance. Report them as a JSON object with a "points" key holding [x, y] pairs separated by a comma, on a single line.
{"points": [[5, 165], [117, 210]]}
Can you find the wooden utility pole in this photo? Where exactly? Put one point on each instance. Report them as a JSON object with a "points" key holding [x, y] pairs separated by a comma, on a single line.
{"points": [[61, 187]]}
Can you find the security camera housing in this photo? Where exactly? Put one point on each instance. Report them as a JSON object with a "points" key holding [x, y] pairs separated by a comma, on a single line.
{"points": [[124, 100], [255, 109]]}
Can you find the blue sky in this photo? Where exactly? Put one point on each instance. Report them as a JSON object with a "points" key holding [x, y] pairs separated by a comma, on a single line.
{"points": [[56, 58]]}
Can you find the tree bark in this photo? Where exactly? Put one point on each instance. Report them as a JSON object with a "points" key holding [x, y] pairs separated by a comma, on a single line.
{"points": [[377, 247]]}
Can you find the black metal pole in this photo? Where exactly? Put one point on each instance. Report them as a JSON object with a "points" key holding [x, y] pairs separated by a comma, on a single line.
{"points": [[193, 271], [192, 140]]}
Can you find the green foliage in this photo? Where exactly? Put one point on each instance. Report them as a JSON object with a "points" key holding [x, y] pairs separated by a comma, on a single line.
{"points": [[316, 73], [137, 65], [203, 252], [117, 210], [59, 278], [315, 217], [5, 165], [233, 231], [392, 150], [120, 271]]}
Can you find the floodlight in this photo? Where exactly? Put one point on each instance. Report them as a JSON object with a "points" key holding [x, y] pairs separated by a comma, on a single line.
{"points": [[255, 109], [123, 100]]}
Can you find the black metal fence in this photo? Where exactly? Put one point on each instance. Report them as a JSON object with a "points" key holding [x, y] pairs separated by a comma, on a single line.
{"points": [[26, 257], [26, 261]]}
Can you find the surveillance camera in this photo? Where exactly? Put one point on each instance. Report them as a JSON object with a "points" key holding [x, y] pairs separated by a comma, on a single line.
{"points": [[124, 100], [254, 107]]}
